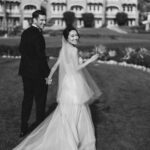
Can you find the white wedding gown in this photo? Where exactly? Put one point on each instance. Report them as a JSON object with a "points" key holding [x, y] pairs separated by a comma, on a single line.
{"points": [[70, 126]]}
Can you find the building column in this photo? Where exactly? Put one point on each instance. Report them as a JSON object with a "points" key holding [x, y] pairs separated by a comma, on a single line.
{"points": [[147, 26], [137, 17], [95, 23], [56, 8], [92, 8], [104, 13], [21, 15], [78, 23]]}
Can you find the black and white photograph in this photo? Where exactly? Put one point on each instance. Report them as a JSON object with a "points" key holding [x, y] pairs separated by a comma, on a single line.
{"points": [[74, 74]]}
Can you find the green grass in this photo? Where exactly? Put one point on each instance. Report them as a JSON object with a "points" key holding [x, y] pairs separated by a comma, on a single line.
{"points": [[91, 37], [125, 126]]}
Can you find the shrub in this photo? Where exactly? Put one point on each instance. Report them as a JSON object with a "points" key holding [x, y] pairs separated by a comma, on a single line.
{"points": [[138, 29], [69, 18], [2, 32], [16, 31], [88, 19], [121, 18], [54, 32], [9, 50]]}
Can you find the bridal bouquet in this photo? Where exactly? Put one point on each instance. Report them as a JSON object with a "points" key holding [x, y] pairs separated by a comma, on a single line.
{"points": [[105, 53], [102, 51], [144, 56], [129, 52]]}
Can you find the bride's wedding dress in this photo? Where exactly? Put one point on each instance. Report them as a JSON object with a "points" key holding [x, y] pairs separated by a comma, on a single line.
{"points": [[70, 126]]}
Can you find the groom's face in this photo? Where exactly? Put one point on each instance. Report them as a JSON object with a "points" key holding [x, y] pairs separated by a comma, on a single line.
{"points": [[40, 21]]}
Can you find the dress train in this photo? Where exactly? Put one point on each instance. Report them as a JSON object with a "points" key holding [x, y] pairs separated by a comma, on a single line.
{"points": [[68, 128]]}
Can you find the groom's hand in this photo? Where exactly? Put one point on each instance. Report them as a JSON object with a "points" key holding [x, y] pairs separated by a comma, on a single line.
{"points": [[48, 81]]}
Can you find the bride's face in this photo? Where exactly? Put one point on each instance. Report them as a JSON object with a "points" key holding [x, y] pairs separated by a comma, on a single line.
{"points": [[73, 37]]}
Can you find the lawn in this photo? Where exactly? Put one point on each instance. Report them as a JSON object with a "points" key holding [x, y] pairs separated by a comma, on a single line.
{"points": [[90, 37], [124, 125]]}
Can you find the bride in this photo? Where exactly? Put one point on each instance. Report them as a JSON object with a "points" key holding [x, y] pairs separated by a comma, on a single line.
{"points": [[70, 126]]}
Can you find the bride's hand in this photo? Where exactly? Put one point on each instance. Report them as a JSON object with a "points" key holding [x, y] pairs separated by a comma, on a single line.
{"points": [[94, 57]]}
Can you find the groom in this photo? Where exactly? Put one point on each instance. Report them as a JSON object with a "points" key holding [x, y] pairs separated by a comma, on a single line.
{"points": [[34, 71]]}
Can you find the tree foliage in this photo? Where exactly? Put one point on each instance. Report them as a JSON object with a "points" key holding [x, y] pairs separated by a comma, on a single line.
{"points": [[88, 19], [143, 5], [69, 18], [121, 18]]}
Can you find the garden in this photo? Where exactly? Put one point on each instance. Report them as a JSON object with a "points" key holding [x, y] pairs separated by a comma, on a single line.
{"points": [[120, 116]]}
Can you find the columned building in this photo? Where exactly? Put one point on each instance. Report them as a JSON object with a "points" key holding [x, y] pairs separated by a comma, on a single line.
{"points": [[10, 12], [17, 12]]}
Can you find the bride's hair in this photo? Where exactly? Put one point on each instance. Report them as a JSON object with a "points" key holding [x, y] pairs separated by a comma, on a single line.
{"points": [[67, 30]]}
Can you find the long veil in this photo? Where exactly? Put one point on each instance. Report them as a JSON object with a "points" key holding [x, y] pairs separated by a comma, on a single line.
{"points": [[66, 65], [86, 88]]}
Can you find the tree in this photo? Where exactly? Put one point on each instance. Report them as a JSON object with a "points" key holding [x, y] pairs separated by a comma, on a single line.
{"points": [[43, 9], [69, 18], [147, 1], [88, 19], [121, 18], [143, 6]]}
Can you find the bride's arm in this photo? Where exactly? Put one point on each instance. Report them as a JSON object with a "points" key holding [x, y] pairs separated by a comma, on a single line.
{"points": [[90, 60], [54, 69]]}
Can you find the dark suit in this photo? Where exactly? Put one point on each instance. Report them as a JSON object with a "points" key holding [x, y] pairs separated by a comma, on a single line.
{"points": [[33, 69]]}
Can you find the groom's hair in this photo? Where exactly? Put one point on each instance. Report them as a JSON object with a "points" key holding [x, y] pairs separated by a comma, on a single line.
{"points": [[67, 30], [36, 13]]}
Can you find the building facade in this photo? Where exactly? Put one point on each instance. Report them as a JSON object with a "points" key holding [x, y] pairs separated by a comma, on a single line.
{"points": [[18, 12]]}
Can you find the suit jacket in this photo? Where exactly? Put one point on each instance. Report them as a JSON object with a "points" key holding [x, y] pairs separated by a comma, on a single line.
{"points": [[33, 62]]}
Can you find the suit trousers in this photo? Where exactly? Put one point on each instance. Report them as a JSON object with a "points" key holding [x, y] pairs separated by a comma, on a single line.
{"points": [[34, 89]]}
